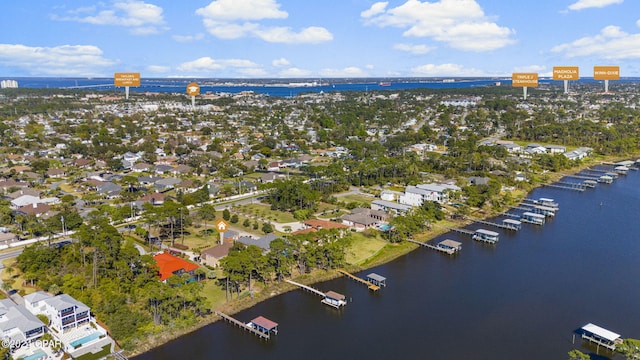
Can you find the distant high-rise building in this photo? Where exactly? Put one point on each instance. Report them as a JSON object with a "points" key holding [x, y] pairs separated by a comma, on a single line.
{"points": [[8, 84]]}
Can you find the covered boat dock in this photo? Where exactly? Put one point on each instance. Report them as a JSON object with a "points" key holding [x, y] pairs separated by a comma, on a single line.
{"points": [[377, 280], [533, 218], [264, 325], [486, 236], [334, 299], [601, 336]]}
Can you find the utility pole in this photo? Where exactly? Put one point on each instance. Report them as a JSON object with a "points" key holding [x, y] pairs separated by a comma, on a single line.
{"points": [[181, 226]]}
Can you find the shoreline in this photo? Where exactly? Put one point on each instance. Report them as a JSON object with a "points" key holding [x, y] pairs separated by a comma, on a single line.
{"points": [[384, 256]]}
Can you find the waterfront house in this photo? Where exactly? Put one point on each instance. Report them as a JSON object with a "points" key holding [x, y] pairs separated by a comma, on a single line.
{"points": [[318, 224], [212, 256], [17, 324], [389, 207], [417, 195], [263, 242], [170, 265], [64, 312], [361, 218]]}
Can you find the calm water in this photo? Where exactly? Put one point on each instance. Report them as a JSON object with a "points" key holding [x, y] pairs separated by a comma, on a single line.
{"points": [[179, 86], [520, 299]]}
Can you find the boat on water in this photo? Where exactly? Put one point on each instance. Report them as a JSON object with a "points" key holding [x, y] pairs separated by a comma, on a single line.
{"points": [[384, 83]]}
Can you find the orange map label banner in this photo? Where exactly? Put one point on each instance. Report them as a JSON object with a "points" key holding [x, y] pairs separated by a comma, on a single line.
{"points": [[524, 79], [566, 73], [126, 79], [606, 72]]}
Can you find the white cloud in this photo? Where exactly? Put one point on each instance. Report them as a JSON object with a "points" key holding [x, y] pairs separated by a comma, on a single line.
{"points": [[233, 19], [64, 60], [413, 49], [225, 30], [232, 10], [343, 73], [158, 69], [142, 18], [445, 70], [310, 35], [611, 43], [375, 9], [585, 4], [461, 24], [206, 65], [294, 73], [188, 38], [280, 62]]}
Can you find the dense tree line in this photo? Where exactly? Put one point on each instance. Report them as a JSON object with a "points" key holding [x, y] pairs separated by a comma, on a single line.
{"points": [[110, 276]]}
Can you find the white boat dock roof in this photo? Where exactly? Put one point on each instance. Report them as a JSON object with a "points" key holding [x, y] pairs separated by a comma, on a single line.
{"points": [[487, 232], [376, 277], [533, 215], [601, 332], [450, 243]]}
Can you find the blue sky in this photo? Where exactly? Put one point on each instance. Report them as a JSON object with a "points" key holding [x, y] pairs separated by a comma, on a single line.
{"points": [[316, 38]]}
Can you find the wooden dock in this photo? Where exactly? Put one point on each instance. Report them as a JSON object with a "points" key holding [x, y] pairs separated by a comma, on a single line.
{"points": [[362, 281], [308, 288], [437, 248], [462, 231], [243, 326], [515, 216], [566, 187], [498, 225], [581, 177], [529, 208]]}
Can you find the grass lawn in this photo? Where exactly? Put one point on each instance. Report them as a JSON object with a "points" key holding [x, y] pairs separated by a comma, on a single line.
{"points": [[363, 247], [214, 294], [196, 238], [264, 211], [327, 207], [331, 214], [356, 198]]}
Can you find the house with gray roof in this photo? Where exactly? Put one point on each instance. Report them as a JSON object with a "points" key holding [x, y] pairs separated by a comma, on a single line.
{"points": [[163, 185], [262, 242], [17, 324], [63, 311], [109, 189]]}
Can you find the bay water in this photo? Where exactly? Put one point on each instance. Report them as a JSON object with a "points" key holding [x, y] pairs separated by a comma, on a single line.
{"points": [[522, 298]]}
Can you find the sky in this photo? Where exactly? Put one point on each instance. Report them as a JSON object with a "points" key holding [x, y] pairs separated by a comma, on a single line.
{"points": [[316, 38]]}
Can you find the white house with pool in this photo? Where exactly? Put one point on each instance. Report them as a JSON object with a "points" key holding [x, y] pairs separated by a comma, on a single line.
{"points": [[70, 322]]}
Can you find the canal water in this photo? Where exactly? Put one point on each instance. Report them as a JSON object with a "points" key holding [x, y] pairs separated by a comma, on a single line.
{"points": [[522, 298]]}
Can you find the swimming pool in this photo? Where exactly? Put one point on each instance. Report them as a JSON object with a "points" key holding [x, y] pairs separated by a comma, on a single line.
{"points": [[39, 354], [85, 339], [385, 227]]}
